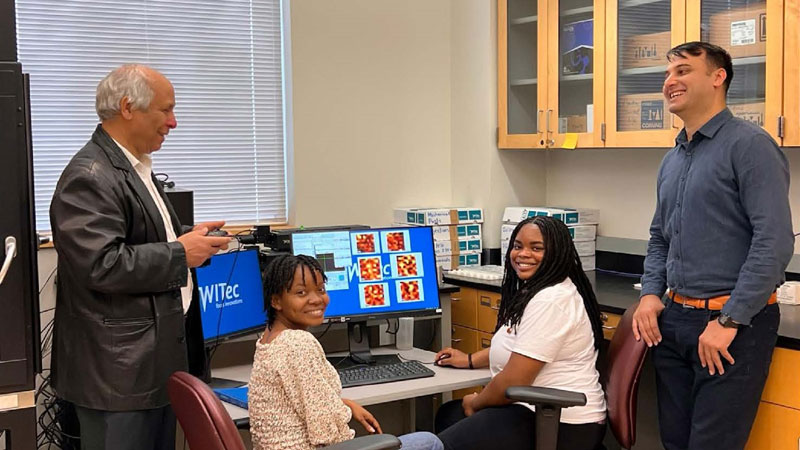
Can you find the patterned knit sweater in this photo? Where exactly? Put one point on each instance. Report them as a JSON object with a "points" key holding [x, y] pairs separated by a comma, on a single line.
{"points": [[295, 396]]}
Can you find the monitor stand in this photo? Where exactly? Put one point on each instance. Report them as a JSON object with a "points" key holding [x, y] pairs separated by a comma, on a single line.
{"points": [[218, 383], [360, 354]]}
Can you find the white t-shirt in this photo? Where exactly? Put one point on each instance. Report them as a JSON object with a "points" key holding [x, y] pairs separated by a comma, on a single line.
{"points": [[555, 329]]}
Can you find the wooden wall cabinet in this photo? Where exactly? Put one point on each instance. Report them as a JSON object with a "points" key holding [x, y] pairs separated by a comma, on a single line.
{"points": [[543, 94], [777, 424]]}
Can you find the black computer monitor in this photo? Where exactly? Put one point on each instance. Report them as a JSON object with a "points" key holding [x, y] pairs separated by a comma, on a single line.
{"points": [[231, 295], [374, 274]]}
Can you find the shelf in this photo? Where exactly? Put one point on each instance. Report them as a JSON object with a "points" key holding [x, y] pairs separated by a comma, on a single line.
{"points": [[643, 70], [577, 11], [524, 20], [633, 3], [579, 77], [524, 82], [749, 60]]}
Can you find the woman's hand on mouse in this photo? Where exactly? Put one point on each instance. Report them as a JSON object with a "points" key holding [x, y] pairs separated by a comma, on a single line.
{"points": [[452, 357], [364, 417]]}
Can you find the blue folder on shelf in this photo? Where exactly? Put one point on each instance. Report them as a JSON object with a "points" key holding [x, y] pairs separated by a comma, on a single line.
{"points": [[234, 396]]}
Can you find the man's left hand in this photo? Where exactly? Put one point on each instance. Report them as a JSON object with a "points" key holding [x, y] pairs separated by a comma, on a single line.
{"points": [[714, 342]]}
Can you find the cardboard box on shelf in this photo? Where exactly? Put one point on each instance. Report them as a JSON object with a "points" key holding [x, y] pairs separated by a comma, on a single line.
{"points": [[438, 216], [751, 112], [585, 248], [572, 124], [645, 50], [516, 214], [468, 245], [456, 232], [638, 112], [588, 262], [741, 31], [450, 262], [577, 44]]}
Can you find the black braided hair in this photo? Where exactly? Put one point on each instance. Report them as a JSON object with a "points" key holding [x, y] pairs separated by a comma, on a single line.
{"points": [[278, 277], [559, 262]]}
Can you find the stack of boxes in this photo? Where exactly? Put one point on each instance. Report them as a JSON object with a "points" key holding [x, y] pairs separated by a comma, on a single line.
{"points": [[582, 224], [456, 233]]}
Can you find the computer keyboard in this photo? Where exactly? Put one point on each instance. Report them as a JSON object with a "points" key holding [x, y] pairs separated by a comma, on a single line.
{"points": [[386, 373]]}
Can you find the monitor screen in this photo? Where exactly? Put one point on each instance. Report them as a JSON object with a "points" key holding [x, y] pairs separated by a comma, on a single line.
{"points": [[389, 271], [231, 295]]}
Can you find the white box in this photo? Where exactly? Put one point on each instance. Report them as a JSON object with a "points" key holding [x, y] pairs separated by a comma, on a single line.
{"points": [[438, 216], [584, 248], [450, 262], [583, 232], [789, 293], [456, 232], [585, 215], [588, 263], [516, 214], [461, 246]]}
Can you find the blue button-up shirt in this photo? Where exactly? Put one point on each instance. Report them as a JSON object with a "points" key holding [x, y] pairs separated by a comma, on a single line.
{"points": [[722, 223]]}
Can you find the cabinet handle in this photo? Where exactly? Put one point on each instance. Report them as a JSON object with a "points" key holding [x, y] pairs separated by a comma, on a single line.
{"points": [[609, 327], [455, 299], [547, 125], [496, 308], [604, 317], [539, 121], [11, 253], [456, 341], [485, 301], [486, 343]]}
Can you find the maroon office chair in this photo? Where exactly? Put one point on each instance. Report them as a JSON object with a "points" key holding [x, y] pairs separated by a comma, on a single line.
{"points": [[208, 426], [621, 380]]}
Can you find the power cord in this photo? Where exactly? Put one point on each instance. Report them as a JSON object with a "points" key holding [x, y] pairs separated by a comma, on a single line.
{"points": [[219, 317]]}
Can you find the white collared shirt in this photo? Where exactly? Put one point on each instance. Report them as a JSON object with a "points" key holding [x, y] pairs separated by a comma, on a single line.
{"points": [[144, 168]]}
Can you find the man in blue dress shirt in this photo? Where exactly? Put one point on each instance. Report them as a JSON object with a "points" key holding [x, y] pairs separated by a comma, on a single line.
{"points": [[720, 240]]}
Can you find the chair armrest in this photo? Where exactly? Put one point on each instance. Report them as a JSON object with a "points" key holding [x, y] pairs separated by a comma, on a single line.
{"points": [[372, 442], [545, 396]]}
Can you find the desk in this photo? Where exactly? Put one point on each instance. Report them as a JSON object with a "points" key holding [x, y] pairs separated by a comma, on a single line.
{"points": [[446, 379]]}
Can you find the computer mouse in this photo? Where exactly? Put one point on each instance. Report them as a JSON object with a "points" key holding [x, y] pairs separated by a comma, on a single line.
{"points": [[217, 233], [438, 362]]}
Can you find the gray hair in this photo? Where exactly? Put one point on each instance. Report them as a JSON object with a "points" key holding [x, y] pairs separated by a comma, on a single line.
{"points": [[129, 80]]}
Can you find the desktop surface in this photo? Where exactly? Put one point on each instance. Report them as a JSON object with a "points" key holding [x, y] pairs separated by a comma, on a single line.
{"points": [[445, 379]]}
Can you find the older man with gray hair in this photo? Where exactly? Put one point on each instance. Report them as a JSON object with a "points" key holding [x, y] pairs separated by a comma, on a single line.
{"points": [[124, 284]]}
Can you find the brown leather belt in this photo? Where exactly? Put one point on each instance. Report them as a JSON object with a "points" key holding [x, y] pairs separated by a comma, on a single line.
{"points": [[714, 303]]}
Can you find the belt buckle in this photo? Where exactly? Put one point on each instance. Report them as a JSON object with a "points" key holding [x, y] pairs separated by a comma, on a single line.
{"points": [[686, 305]]}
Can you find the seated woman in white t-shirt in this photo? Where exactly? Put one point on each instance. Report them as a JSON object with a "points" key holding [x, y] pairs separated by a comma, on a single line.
{"points": [[548, 334]]}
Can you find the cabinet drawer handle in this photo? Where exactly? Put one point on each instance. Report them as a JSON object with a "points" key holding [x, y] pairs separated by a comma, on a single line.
{"points": [[486, 301], [609, 327], [486, 343], [455, 299], [455, 341], [496, 308]]}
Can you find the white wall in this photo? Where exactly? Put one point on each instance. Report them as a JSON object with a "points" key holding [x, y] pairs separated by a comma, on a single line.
{"points": [[371, 87], [482, 175]]}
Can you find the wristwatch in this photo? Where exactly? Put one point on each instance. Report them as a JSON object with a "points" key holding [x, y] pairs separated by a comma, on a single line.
{"points": [[726, 321]]}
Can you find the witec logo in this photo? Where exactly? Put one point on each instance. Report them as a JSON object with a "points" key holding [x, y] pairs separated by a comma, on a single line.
{"points": [[217, 293]]}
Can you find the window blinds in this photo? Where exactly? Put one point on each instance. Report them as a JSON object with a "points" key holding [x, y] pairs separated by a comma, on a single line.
{"points": [[224, 59]]}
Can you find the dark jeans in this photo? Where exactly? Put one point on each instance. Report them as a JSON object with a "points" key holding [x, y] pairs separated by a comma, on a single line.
{"points": [[507, 427], [127, 430], [699, 411]]}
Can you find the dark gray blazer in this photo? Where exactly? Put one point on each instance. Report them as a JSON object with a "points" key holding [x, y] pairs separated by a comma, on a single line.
{"points": [[119, 324]]}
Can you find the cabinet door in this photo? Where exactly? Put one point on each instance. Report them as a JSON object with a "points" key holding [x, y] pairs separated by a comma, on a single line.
{"points": [[775, 428], [638, 35], [791, 74], [782, 387], [488, 305], [463, 306], [740, 26], [465, 339], [521, 86], [576, 72]]}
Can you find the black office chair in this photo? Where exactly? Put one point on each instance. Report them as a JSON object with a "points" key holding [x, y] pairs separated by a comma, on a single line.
{"points": [[621, 377], [208, 426]]}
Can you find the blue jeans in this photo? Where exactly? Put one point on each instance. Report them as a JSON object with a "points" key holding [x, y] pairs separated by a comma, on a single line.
{"points": [[698, 411], [421, 440]]}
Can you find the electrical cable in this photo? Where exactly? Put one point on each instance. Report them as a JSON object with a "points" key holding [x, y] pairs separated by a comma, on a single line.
{"points": [[219, 317], [44, 285]]}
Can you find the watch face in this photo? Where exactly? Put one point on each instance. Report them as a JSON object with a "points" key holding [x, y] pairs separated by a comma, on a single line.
{"points": [[727, 322]]}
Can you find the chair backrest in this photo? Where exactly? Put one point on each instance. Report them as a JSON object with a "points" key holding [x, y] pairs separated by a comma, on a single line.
{"points": [[625, 361], [205, 422]]}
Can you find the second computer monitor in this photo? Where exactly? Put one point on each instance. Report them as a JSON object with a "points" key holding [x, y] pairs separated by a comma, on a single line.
{"points": [[375, 272]]}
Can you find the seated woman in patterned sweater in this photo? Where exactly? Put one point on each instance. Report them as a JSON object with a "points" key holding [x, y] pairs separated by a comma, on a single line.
{"points": [[295, 394]]}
